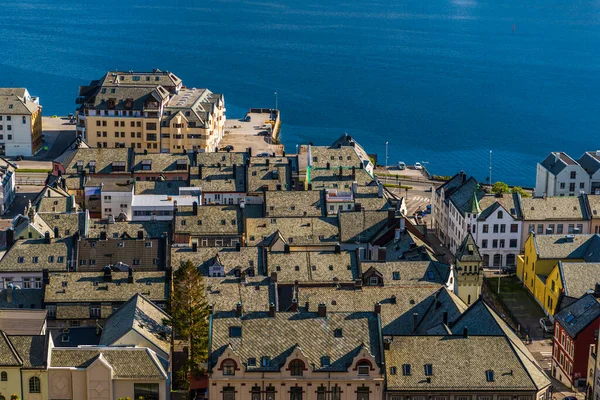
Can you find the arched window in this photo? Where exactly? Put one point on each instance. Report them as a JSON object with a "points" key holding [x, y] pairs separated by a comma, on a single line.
{"points": [[510, 259], [3, 376], [296, 368], [228, 367], [497, 260], [486, 260], [34, 385]]}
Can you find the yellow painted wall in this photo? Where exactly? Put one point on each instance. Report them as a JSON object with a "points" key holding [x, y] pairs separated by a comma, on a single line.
{"points": [[13, 384], [140, 143], [43, 375], [553, 293]]}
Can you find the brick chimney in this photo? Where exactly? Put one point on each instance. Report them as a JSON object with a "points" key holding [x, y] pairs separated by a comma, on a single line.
{"points": [[377, 308], [294, 306], [272, 310], [239, 309], [322, 310]]}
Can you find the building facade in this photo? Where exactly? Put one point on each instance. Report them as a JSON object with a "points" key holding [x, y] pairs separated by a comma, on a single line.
{"points": [[20, 123]]}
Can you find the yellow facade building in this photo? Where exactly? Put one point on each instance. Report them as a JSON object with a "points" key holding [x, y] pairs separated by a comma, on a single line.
{"points": [[149, 111], [539, 267]]}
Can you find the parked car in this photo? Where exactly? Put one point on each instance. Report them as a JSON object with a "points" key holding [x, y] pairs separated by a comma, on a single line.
{"points": [[228, 148], [546, 325], [19, 158], [418, 165], [509, 269], [263, 154], [401, 165]]}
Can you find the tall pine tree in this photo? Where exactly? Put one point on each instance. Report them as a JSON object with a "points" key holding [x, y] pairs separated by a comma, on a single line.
{"points": [[189, 314]]}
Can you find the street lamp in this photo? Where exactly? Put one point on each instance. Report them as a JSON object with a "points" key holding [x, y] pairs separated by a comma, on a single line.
{"points": [[386, 155], [275, 100]]}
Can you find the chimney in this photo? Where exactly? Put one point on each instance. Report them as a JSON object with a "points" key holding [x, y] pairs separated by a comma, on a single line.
{"points": [[195, 247], [271, 310], [47, 237], [200, 172], [597, 290], [175, 209], [234, 171], [195, 208], [393, 299], [140, 234], [249, 152], [353, 172], [286, 248], [337, 249], [10, 238], [238, 247], [391, 217], [273, 277], [354, 187], [357, 207], [130, 275], [294, 307], [103, 235], [107, 274], [9, 294], [445, 318], [341, 172], [322, 310], [267, 162], [310, 186], [45, 276], [239, 309], [415, 322], [377, 308], [379, 189], [387, 344], [465, 332], [328, 166]]}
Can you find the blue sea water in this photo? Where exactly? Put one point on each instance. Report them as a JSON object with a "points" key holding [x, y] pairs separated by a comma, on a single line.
{"points": [[443, 81]]}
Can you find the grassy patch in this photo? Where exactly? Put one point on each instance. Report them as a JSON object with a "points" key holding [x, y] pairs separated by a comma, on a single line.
{"points": [[391, 185], [33, 170]]}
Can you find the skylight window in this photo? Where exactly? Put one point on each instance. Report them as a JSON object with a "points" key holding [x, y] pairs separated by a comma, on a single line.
{"points": [[406, 369], [428, 369], [235, 331], [489, 375], [325, 361]]}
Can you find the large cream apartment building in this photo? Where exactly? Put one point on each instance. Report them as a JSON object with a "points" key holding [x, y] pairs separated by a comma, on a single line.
{"points": [[149, 111]]}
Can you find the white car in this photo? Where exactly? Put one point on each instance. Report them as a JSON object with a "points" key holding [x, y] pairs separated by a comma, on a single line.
{"points": [[401, 165], [418, 165]]}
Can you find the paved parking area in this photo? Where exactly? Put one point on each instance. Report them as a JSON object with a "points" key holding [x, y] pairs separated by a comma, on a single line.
{"points": [[241, 135]]}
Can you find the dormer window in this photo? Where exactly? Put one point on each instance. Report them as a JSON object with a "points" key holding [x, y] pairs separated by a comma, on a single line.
{"points": [[228, 367], [79, 166], [363, 368], [396, 275], [296, 368], [428, 369], [489, 375], [406, 369], [146, 165], [118, 166], [338, 333], [265, 361], [235, 331], [92, 166], [325, 361]]}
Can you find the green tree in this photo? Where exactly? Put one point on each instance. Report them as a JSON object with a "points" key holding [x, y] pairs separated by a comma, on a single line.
{"points": [[189, 315], [500, 187], [518, 189]]}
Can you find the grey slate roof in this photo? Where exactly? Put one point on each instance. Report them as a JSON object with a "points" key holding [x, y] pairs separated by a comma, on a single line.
{"points": [[138, 314], [228, 257], [555, 162], [466, 197], [294, 204], [568, 208], [590, 162], [31, 349], [313, 335], [255, 293], [34, 255], [30, 298], [303, 230], [361, 226], [586, 247], [211, 219], [13, 102], [579, 277], [127, 363], [221, 179], [76, 287], [578, 315], [8, 354], [410, 272], [508, 203], [468, 251], [22, 322], [458, 363], [162, 162], [313, 266]]}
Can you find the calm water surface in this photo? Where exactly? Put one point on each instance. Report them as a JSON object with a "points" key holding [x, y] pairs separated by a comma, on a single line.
{"points": [[444, 81]]}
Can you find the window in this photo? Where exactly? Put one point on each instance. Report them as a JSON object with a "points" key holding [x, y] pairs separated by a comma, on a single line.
{"points": [[393, 370], [235, 331], [3, 376], [228, 367], [94, 311], [484, 244], [321, 393], [501, 243], [362, 393], [296, 368], [34, 385], [255, 393], [489, 375], [495, 228], [495, 243], [486, 228], [363, 368], [500, 214], [540, 228], [428, 369], [559, 228], [396, 275], [373, 281], [573, 174], [325, 361], [502, 228], [406, 369], [151, 126], [571, 228], [562, 185], [20, 260], [295, 393], [571, 185], [252, 362], [265, 361], [229, 393], [513, 243]]}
